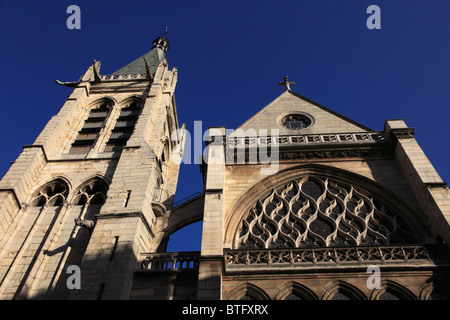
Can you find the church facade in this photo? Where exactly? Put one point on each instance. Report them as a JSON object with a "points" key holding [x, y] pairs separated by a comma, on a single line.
{"points": [[299, 202]]}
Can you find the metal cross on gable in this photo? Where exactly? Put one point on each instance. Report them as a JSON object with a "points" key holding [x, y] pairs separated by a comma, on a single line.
{"points": [[286, 83]]}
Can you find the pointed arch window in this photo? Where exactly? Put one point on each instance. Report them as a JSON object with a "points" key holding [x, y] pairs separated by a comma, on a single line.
{"points": [[93, 193], [341, 290], [248, 291], [124, 127], [85, 205], [391, 290], [295, 291], [52, 194], [92, 127], [46, 207]]}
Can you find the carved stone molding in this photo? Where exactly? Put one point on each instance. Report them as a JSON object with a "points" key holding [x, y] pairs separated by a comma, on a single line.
{"points": [[309, 139], [332, 154], [404, 133], [122, 77], [358, 255], [234, 157]]}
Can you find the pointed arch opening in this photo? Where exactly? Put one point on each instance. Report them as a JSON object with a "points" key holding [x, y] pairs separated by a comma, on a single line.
{"points": [[53, 193], [341, 290], [86, 202], [46, 210], [90, 132], [295, 291], [92, 192], [130, 110], [248, 291], [391, 290]]}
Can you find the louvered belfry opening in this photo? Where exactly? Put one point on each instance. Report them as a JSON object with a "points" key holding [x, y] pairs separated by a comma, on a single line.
{"points": [[91, 129], [124, 127]]}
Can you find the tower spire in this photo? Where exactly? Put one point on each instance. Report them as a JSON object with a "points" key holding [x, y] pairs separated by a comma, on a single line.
{"points": [[153, 57]]}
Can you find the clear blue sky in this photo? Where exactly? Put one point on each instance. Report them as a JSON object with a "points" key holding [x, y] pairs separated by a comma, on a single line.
{"points": [[230, 56]]}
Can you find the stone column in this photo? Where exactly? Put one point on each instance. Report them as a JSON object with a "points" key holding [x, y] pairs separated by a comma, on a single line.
{"points": [[210, 268]]}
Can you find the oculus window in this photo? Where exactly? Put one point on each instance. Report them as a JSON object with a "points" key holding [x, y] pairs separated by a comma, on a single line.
{"points": [[296, 121]]}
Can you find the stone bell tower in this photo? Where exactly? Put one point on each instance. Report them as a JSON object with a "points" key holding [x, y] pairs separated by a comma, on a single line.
{"points": [[91, 190]]}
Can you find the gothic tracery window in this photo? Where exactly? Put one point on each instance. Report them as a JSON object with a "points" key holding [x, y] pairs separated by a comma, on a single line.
{"points": [[45, 208], [86, 204], [92, 193], [52, 194], [316, 211]]}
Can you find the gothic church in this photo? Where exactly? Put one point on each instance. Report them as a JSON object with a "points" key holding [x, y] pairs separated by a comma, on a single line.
{"points": [[304, 211]]}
